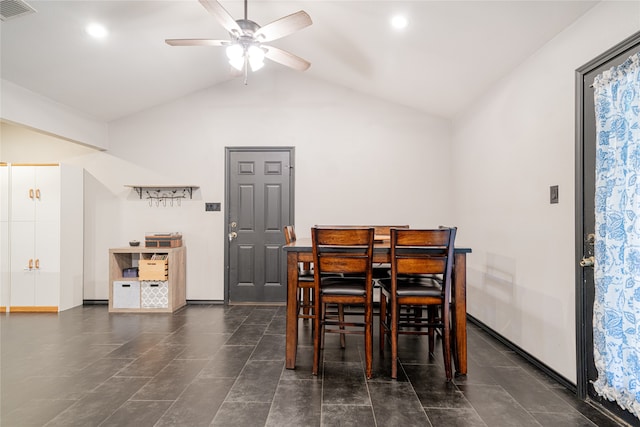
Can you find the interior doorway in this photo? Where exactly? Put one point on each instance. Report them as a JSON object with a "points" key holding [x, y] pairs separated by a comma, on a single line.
{"points": [[259, 203], [585, 218]]}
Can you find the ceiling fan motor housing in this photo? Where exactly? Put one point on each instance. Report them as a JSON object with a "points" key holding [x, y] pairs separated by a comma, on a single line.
{"points": [[248, 28], [247, 38]]}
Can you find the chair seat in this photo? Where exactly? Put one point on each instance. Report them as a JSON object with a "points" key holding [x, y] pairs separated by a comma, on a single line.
{"points": [[423, 287], [352, 286], [419, 291], [433, 277], [305, 276]]}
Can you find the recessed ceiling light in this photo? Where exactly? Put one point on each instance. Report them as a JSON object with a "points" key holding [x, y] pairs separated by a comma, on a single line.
{"points": [[399, 22], [96, 30]]}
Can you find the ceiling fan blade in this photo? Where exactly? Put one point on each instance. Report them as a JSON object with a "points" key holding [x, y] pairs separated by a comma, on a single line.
{"points": [[197, 42], [284, 26], [285, 58], [221, 14]]}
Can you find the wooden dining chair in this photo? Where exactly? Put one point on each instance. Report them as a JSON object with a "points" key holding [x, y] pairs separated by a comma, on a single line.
{"points": [[305, 280], [421, 276], [349, 253]]}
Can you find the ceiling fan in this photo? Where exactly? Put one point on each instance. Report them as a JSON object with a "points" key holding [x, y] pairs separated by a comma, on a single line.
{"points": [[246, 46]]}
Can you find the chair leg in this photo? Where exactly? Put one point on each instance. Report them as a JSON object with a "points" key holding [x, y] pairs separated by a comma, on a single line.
{"points": [[343, 343], [432, 312], [383, 314], [394, 338], [446, 344], [306, 302], [368, 340], [318, 328], [454, 341]]}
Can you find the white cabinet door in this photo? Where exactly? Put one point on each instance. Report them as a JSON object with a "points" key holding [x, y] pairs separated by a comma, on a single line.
{"points": [[4, 193], [22, 257], [47, 194], [5, 269], [23, 193], [35, 193], [47, 263]]}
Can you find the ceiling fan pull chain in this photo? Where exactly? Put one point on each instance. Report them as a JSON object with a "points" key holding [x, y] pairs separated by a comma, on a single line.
{"points": [[245, 68]]}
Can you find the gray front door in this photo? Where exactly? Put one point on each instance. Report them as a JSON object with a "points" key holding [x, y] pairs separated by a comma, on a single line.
{"points": [[259, 201], [585, 186]]}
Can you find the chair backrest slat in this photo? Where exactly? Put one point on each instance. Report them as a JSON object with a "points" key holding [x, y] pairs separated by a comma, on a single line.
{"points": [[439, 237], [426, 265], [342, 250], [342, 264]]}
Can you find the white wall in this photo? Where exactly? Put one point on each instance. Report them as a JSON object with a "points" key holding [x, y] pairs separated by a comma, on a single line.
{"points": [[509, 148], [22, 145], [19, 105], [358, 160]]}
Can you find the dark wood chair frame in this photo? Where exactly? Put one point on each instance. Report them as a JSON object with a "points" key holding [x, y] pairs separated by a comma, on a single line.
{"points": [[305, 280], [421, 276], [347, 252]]}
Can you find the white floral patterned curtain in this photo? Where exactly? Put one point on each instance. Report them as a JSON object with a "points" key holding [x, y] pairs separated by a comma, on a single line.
{"points": [[616, 312]]}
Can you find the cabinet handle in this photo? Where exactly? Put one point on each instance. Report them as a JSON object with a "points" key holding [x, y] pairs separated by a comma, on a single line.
{"points": [[38, 194], [37, 262], [30, 264], [31, 193]]}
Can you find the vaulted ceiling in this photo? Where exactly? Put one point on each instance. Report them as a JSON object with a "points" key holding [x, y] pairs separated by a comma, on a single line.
{"points": [[449, 54]]}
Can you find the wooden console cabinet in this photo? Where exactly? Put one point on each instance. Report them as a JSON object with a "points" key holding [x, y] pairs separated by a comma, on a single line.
{"points": [[132, 295]]}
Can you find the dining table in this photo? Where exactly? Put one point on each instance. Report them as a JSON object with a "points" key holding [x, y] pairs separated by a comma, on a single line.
{"points": [[301, 250]]}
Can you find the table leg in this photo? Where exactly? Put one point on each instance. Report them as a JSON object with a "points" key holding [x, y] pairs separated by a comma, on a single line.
{"points": [[292, 310], [460, 294]]}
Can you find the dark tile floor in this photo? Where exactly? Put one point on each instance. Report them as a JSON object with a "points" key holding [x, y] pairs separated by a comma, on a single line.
{"points": [[224, 366]]}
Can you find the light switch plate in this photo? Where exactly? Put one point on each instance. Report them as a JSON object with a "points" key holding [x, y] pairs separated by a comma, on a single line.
{"points": [[211, 207], [553, 194]]}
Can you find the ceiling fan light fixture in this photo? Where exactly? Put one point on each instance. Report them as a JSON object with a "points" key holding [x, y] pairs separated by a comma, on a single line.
{"points": [[255, 64], [234, 51], [256, 57], [237, 63]]}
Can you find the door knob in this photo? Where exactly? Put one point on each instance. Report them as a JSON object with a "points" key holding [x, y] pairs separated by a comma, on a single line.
{"points": [[587, 261], [232, 235]]}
